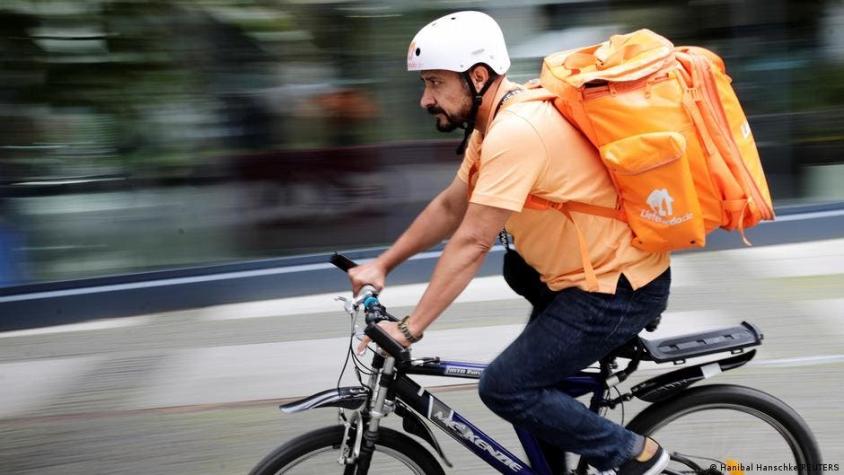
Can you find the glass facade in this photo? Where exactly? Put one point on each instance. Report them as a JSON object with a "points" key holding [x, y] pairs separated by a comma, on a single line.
{"points": [[141, 135]]}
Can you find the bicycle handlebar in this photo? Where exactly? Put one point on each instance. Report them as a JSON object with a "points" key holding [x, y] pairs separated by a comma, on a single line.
{"points": [[342, 262]]}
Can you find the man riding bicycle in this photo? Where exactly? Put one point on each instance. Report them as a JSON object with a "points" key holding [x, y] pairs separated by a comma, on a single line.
{"points": [[513, 149]]}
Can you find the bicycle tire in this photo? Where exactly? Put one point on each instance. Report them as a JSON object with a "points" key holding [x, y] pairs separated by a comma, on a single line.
{"points": [[291, 453], [780, 416]]}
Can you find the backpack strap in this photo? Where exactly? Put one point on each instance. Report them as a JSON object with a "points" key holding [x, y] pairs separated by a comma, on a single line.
{"points": [[585, 260], [534, 202], [531, 92], [541, 204], [537, 203]]}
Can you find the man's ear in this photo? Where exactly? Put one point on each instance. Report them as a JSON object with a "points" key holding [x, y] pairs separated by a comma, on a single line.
{"points": [[479, 75]]}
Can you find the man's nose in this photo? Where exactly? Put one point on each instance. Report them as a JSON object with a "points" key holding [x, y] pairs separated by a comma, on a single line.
{"points": [[427, 99]]}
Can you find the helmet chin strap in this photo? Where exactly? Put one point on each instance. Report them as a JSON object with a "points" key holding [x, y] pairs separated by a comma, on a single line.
{"points": [[477, 100]]}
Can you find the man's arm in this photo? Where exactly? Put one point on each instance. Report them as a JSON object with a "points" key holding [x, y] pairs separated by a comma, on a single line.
{"points": [[436, 222], [459, 263]]}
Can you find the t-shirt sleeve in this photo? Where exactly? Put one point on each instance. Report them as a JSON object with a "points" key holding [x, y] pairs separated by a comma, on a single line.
{"points": [[513, 157], [471, 156]]}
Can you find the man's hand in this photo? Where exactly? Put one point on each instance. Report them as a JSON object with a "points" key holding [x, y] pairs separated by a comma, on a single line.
{"points": [[372, 273], [392, 329]]}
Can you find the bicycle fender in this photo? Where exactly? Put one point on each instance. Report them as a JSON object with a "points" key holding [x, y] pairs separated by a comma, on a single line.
{"points": [[347, 397], [666, 385], [413, 424]]}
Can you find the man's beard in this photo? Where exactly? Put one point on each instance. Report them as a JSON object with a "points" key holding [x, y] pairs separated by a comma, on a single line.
{"points": [[451, 124]]}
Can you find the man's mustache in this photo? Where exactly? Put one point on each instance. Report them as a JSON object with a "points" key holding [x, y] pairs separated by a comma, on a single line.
{"points": [[434, 110]]}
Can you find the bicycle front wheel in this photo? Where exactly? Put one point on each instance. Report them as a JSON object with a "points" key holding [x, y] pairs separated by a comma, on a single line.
{"points": [[730, 428], [317, 453]]}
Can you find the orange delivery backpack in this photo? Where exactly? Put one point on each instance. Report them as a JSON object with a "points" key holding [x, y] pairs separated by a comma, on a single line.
{"points": [[671, 132]]}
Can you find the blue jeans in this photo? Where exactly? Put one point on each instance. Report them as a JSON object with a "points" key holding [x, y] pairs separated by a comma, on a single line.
{"points": [[576, 329]]}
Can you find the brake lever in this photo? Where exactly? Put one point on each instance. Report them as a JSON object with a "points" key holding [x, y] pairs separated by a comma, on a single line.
{"points": [[348, 305], [351, 305]]}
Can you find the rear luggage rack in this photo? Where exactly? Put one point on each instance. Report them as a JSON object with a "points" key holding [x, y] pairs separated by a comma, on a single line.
{"points": [[679, 348]]}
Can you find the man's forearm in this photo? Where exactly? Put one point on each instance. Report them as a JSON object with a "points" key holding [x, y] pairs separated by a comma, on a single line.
{"points": [[461, 259], [435, 223]]}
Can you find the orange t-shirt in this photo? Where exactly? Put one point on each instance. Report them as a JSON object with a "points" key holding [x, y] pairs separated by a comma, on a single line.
{"points": [[530, 149]]}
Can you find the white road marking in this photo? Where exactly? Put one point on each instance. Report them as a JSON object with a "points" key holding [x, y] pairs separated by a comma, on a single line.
{"points": [[27, 385], [481, 289], [792, 260], [830, 307], [800, 361], [107, 324], [802, 216], [162, 282], [194, 279]]}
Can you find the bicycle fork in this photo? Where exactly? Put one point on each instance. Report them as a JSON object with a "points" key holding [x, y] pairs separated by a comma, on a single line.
{"points": [[357, 462]]}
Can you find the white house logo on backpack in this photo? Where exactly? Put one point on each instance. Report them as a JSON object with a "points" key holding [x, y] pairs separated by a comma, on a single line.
{"points": [[661, 210]]}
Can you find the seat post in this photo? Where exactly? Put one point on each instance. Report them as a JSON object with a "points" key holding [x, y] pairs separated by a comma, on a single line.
{"points": [[608, 364]]}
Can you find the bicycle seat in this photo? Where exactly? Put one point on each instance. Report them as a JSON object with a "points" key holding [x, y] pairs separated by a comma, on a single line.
{"points": [[679, 348]]}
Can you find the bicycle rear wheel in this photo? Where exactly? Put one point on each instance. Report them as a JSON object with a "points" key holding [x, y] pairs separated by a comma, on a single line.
{"points": [[317, 452], [730, 428]]}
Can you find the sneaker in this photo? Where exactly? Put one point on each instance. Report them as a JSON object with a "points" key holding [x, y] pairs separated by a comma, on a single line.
{"points": [[652, 466]]}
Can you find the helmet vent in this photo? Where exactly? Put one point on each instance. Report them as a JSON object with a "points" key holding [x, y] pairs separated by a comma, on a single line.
{"points": [[418, 51]]}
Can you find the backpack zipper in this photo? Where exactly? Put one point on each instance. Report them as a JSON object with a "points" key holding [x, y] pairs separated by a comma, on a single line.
{"points": [[620, 87], [710, 92]]}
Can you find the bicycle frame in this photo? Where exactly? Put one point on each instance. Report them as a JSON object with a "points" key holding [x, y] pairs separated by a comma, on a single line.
{"points": [[467, 434]]}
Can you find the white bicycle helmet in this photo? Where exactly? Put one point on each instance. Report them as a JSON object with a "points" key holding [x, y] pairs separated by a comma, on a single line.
{"points": [[458, 41]]}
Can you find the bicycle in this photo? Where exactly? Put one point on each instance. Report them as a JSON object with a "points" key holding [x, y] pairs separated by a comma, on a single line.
{"points": [[677, 416]]}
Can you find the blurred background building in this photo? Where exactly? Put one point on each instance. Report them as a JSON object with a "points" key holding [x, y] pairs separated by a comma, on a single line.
{"points": [[142, 135]]}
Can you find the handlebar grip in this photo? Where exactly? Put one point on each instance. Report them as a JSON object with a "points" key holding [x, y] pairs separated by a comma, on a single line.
{"points": [[343, 262], [386, 342]]}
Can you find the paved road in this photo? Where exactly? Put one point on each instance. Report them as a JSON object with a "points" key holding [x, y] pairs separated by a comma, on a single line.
{"points": [[196, 391]]}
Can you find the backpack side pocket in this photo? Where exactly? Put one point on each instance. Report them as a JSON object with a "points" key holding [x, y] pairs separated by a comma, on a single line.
{"points": [[658, 195]]}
